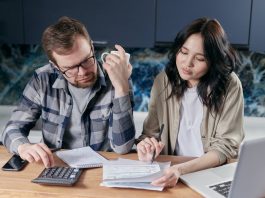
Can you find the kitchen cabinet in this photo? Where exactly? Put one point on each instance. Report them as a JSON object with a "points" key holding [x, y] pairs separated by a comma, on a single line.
{"points": [[173, 15], [126, 22], [137, 23], [257, 33], [11, 22]]}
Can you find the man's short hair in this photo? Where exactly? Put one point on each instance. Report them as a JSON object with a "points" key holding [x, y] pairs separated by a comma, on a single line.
{"points": [[60, 37]]}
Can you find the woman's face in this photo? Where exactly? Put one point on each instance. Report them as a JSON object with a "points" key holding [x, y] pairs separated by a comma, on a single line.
{"points": [[190, 60]]}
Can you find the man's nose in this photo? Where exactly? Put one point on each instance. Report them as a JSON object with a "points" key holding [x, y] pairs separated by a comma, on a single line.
{"points": [[81, 70]]}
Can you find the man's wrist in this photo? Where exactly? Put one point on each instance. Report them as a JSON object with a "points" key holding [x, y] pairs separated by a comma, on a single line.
{"points": [[21, 147], [121, 92], [122, 104]]}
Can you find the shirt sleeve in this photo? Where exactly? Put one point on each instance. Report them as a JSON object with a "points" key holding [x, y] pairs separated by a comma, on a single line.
{"points": [[123, 129], [23, 118], [229, 131]]}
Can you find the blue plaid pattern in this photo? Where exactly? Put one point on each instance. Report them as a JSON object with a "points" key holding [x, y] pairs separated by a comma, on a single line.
{"points": [[107, 123]]}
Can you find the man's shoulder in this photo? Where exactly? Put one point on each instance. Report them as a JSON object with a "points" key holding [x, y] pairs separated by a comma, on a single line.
{"points": [[46, 69], [46, 75]]}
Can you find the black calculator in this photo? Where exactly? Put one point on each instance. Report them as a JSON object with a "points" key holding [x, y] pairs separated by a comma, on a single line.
{"points": [[63, 176]]}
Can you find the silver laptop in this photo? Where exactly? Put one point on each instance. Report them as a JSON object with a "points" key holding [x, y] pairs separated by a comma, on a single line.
{"points": [[243, 179]]}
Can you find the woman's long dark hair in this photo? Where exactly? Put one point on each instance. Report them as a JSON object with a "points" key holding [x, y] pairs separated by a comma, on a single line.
{"points": [[221, 59]]}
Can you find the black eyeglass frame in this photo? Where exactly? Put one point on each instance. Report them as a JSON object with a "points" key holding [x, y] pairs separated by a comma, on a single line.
{"points": [[80, 64]]}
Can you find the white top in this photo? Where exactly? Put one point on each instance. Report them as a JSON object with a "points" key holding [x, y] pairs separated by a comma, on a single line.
{"points": [[189, 141]]}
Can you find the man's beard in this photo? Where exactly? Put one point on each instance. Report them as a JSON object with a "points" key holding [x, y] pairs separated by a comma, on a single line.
{"points": [[86, 81]]}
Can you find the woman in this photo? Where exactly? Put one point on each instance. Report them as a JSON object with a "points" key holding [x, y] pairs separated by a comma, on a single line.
{"points": [[199, 100]]}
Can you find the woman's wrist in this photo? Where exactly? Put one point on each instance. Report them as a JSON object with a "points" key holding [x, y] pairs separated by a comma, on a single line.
{"points": [[178, 169]]}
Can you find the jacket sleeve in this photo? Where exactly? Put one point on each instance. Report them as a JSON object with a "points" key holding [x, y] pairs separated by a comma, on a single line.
{"points": [[229, 131], [122, 134], [23, 118]]}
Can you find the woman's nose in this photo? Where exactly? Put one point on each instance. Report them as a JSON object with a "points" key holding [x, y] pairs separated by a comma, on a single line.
{"points": [[189, 61]]}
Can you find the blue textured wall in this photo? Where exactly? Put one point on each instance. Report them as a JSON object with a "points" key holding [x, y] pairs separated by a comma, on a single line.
{"points": [[17, 63]]}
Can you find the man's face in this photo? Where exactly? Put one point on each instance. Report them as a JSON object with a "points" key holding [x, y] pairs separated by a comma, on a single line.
{"points": [[79, 66]]}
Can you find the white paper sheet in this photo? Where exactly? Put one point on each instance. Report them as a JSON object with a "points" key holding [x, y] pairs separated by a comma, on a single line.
{"points": [[135, 185], [125, 173], [84, 157]]}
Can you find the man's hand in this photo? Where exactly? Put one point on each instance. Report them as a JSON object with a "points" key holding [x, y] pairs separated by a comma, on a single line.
{"points": [[147, 147], [35, 153], [119, 71]]}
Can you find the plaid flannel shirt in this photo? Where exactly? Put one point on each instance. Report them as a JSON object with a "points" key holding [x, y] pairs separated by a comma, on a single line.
{"points": [[107, 123]]}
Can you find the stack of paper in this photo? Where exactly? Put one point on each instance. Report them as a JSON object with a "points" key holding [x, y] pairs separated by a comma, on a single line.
{"points": [[124, 173], [84, 157]]}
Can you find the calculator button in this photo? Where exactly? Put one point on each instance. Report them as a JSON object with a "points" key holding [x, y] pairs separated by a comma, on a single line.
{"points": [[62, 173], [57, 172], [65, 176], [45, 172]]}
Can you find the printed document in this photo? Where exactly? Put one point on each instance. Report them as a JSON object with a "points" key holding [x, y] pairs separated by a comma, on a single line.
{"points": [[126, 173]]}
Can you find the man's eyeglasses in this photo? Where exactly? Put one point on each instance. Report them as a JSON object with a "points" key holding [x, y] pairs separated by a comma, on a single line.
{"points": [[88, 62]]}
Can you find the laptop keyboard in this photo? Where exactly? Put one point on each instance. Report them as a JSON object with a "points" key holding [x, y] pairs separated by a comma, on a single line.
{"points": [[222, 188]]}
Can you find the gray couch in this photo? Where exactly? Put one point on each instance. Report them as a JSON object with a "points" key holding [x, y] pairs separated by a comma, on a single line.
{"points": [[254, 126]]}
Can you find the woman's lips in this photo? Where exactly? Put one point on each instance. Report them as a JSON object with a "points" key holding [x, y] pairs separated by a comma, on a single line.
{"points": [[186, 71]]}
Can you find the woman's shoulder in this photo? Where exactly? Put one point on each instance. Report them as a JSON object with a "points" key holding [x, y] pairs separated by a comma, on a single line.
{"points": [[161, 85], [234, 85], [234, 80], [161, 79]]}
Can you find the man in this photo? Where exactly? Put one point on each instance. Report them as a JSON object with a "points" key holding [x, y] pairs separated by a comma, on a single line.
{"points": [[79, 102]]}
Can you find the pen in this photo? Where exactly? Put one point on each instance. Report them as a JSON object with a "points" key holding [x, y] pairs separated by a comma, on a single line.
{"points": [[159, 139], [54, 149]]}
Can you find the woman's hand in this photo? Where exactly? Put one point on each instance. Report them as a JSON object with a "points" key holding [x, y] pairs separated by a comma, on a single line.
{"points": [[147, 147], [170, 177]]}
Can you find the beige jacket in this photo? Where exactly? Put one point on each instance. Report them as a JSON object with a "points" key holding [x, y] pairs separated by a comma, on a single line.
{"points": [[222, 132]]}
